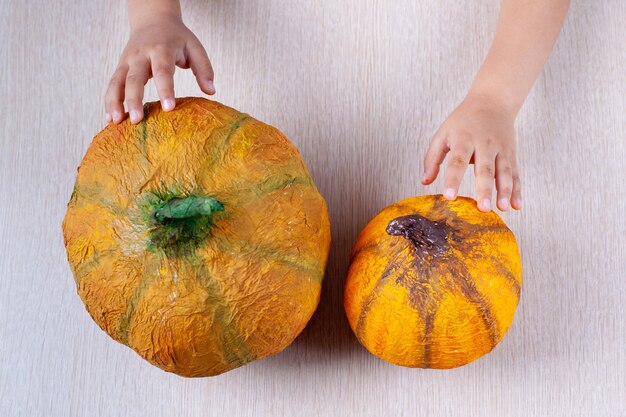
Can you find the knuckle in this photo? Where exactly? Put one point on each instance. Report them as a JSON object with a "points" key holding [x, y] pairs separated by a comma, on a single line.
{"points": [[133, 53], [505, 190], [132, 78], [462, 148], [133, 104], [118, 74], [122, 67], [506, 169], [115, 82], [457, 161], [113, 91], [161, 49], [485, 170], [462, 139], [439, 141], [430, 152], [111, 105], [200, 70], [203, 66], [162, 69], [196, 48], [165, 92], [111, 100]]}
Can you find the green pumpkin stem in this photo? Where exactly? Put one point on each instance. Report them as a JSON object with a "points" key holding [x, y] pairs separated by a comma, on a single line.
{"points": [[181, 224], [183, 208]]}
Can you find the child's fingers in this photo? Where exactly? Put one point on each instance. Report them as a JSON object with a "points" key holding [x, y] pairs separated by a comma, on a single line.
{"points": [[516, 193], [163, 73], [484, 170], [435, 155], [504, 182], [200, 64], [136, 79], [455, 169], [114, 97]]}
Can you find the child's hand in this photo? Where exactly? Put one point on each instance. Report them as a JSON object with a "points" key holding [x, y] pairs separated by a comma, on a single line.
{"points": [[158, 42], [478, 131]]}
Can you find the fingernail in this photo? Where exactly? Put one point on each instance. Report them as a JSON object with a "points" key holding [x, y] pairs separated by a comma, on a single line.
{"points": [[210, 85], [108, 117], [487, 204], [449, 193], [116, 116], [425, 178], [134, 116], [504, 203], [517, 203], [167, 104]]}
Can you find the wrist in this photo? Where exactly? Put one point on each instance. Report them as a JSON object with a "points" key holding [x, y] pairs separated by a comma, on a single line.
{"points": [[142, 12], [497, 94], [491, 102]]}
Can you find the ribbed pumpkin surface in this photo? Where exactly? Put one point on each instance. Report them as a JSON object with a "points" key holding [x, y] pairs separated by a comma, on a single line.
{"points": [[433, 283], [197, 237]]}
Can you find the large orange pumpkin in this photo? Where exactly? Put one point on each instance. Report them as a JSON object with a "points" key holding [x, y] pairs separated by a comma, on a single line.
{"points": [[197, 237], [433, 283]]}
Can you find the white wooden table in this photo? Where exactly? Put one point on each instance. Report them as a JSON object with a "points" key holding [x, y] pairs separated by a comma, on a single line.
{"points": [[359, 86]]}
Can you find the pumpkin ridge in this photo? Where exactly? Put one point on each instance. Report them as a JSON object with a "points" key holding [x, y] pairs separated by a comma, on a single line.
{"points": [[95, 260], [373, 296], [362, 249], [469, 290], [107, 317], [230, 340], [141, 136], [425, 302], [462, 241], [508, 275], [404, 206], [220, 150], [263, 251], [142, 131], [460, 277], [92, 196], [286, 183], [430, 311], [157, 169], [427, 307], [271, 188], [233, 345], [126, 319]]}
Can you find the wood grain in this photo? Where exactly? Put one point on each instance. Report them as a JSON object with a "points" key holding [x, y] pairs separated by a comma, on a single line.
{"points": [[359, 86]]}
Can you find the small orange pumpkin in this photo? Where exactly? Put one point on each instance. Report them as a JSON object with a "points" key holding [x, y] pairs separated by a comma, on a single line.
{"points": [[433, 283], [197, 237]]}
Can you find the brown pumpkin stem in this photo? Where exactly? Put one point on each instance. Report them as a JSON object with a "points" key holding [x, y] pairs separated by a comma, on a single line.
{"points": [[427, 236]]}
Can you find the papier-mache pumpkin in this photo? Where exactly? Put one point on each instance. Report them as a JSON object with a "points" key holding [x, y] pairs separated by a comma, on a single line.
{"points": [[197, 237], [433, 283]]}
